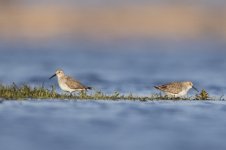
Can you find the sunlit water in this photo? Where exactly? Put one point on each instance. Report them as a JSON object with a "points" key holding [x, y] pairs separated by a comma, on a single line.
{"points": [[115, 125]]}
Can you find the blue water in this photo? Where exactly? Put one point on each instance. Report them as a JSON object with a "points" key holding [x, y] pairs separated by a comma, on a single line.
{"points": [[125, 66], [101, 125]]}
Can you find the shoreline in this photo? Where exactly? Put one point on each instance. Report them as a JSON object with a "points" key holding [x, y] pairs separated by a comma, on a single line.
{"points": [[25, 92]]}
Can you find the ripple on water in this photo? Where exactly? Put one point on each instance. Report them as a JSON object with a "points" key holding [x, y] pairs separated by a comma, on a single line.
{"points": [[112, 125]]}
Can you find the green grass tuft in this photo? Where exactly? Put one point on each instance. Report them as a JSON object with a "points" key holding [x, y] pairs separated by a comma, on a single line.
{"points": [[25, 92], [202, 96]]}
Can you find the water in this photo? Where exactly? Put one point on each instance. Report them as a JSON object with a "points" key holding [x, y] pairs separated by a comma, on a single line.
{"points": [[124, 66], [112, 125]]}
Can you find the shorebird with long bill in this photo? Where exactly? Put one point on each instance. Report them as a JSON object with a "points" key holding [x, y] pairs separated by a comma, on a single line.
{"points": [[69, 84], [176, 89]]}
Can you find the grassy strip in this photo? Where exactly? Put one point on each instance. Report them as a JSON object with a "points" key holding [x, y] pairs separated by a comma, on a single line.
{"points": [[13, 92]]}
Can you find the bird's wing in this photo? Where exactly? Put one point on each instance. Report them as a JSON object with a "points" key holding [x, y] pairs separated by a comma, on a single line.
{"points": [[174, 88], [74, 84]]}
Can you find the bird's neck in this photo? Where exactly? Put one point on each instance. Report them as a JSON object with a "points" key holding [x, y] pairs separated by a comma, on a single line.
{"points": [[187, 89]]}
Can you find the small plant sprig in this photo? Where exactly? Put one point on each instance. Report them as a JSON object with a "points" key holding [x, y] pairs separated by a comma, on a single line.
{"points": [[203, 95]]}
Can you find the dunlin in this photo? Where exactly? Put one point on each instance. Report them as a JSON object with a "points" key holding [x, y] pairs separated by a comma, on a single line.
{"points": [[176, 89], [69, 84]]}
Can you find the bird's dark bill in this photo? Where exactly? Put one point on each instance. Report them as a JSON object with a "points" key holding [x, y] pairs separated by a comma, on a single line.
{"points": [[52, 76], [195, 89]]}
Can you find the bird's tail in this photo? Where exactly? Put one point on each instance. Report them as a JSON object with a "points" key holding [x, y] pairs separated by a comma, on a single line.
{"points": [[89, 88]]}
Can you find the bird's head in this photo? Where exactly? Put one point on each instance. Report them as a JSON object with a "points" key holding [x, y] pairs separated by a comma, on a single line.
{"points": [[59, 73], [190, 85]]}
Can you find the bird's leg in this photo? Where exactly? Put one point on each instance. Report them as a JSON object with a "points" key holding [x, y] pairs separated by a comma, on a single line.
{"points": [[71, 94], [83, 92], [67, 93], [63, 93]]}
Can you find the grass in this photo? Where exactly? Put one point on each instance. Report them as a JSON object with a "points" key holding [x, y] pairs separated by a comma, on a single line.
{"points": [[25, 92], [202, 96]]}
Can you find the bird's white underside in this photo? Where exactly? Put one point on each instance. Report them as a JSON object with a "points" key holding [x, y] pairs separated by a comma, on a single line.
{"points": [[180, 94], [64, 87]]}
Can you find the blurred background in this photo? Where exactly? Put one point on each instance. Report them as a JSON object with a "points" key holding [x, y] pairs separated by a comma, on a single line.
{"points": [[114, 45], [112, 19]]}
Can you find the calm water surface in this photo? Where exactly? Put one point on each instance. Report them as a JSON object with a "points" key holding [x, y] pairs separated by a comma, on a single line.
{"points": [[112, 125]]}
